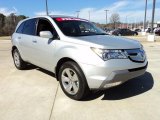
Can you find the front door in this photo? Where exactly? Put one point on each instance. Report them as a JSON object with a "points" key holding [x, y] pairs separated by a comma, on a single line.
{"points": [[44, 48]]}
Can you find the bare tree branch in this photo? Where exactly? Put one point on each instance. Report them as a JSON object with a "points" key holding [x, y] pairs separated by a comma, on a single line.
{"points": [[114, 19]]}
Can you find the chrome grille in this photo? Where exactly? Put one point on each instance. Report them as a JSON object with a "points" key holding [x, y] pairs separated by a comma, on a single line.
{"points": [[136, 55]]}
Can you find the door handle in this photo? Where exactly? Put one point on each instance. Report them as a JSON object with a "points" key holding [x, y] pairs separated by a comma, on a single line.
{"points": [[34, 41], [19, 37]]}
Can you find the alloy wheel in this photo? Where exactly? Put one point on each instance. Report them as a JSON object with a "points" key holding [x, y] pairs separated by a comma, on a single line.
{"points": [[70, 81]]}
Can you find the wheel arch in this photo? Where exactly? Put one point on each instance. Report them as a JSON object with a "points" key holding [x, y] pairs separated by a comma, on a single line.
{"points": [[60, 62], [84, 84], [13, 48]]}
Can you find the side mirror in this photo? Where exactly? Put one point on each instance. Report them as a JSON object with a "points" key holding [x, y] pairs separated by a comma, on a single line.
{"points": [[46, 34]]}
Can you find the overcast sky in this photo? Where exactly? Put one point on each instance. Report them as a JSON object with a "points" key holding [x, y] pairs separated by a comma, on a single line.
{"points": [[133, 10]]}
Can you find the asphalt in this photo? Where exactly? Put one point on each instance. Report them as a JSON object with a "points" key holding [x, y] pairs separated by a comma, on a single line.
{"points": [[35, 94]]}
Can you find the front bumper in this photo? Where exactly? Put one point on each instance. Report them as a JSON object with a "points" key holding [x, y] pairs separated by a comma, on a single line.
{"points": [[110, 75], [121, 76]]}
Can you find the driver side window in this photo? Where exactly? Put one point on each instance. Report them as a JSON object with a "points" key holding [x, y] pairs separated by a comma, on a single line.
{"points": [[45, 25]]}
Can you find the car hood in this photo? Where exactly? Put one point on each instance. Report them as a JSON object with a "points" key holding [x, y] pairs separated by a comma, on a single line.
{"points": [[106, 41]]}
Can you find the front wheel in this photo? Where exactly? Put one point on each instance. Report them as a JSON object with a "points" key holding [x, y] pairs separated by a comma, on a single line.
{"points": [[73, 81], [19, 63]]}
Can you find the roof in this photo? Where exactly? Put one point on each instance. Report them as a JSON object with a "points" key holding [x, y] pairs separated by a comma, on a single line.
{"points": [[52, 16]]}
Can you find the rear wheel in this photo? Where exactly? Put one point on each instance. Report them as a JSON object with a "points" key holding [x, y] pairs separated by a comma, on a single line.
{"points": [[19, 63], [73, 81]]}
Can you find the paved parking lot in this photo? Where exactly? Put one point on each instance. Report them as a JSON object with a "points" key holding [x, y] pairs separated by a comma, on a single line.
{"points": [[35, 94]]}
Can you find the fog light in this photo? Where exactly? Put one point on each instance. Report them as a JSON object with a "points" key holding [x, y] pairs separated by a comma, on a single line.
{"points": [[112, 84]]}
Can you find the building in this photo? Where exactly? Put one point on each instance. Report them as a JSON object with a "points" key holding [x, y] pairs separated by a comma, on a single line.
{"points": [[158, 23]]}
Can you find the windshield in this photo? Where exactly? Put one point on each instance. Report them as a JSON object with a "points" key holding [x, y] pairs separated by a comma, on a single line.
{"points": [[77, 27]]}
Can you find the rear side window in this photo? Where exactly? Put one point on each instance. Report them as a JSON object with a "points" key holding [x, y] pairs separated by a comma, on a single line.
{"points": [[20, 28], [30, 27]]}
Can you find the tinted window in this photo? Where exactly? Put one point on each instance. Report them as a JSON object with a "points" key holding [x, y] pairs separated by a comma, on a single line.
{"points": [[45, 25], [20, 28], [30, 27], [77, 27]]}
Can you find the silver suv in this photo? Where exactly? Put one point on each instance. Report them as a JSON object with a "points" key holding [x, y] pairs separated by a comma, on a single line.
{"points": [[82, 56]]}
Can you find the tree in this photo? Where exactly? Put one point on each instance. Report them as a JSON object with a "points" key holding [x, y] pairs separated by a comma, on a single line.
{"points": [[2, 22], [9, 23], [114, 19], [20, 17]]}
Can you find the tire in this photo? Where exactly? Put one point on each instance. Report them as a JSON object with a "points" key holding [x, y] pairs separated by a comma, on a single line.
{"points": [[18, 62], [73, 81]]}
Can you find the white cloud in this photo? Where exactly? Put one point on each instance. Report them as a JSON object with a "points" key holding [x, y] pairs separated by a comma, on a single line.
{"points": [[118, 5], [133, 10], [7, 11], [15, 9]]}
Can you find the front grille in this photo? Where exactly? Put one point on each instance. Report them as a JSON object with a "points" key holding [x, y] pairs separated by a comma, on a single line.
{"points": [[136, 55]]}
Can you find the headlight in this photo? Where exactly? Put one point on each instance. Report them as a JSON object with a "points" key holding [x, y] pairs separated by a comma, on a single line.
{"points": [[110, 54]]}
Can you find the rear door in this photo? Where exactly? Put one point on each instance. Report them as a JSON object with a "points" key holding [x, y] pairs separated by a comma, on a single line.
{"points": [[18, 37], [26, 39]]}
